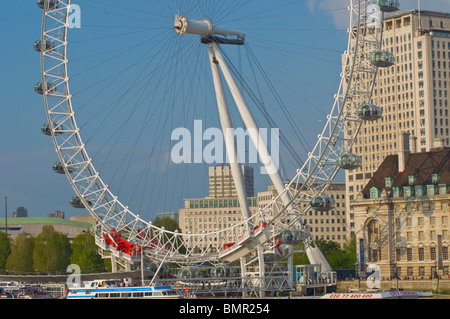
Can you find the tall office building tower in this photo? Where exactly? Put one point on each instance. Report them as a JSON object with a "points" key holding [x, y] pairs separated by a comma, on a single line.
{"points": [[221, 183], [414, 94]]}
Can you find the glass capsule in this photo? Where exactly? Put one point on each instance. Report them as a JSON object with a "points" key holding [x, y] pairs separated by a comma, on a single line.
{"points": [[382, 59], [322, 203], [349, 161], [369, 112], [49, 46], [387, 5], [51, 4]]}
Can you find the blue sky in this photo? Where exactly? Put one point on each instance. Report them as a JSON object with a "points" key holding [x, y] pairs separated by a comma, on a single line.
{"points": [[298, 43]]}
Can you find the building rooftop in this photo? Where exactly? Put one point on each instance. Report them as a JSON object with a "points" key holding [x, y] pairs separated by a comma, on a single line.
{"points": [[401, 13], [43, 220], [421, 165]]}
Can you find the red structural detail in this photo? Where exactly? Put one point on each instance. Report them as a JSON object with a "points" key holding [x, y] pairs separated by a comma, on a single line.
{"points": [[115, 239]]}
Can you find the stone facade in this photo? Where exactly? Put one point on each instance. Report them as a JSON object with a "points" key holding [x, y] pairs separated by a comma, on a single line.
{"points": [[414, 94], [402, 216]]}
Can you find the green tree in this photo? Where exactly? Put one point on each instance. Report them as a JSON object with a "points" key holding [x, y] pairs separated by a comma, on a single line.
{"points": [[327, 247], [5, 249], [350, 250], [21, 258], [168, 223], [337, 258], [51, 251], [84, 254]]}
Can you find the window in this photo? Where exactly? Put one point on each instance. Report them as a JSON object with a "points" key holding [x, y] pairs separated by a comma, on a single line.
{"points": [[374, 255], [434, 178], [419, 190], [432, 220], [409, 221], [388, 182], [431, 189], [421, 236], [433, 236], [409, 257], [408, 191], [409, 236], [374, 193], [421, 271], [420, 221], [421, 253]]}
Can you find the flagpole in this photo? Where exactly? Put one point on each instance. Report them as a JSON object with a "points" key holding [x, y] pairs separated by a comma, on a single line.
{"points": [[420, 19]]}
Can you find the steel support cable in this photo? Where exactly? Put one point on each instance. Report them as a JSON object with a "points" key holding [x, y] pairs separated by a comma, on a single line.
{"points": [[117, 104], [272, 10], [274, 92], [264, 112], [279, 100], [118, 75], [170, 84]]}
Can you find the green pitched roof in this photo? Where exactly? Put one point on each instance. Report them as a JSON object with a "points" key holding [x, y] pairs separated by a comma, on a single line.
{"points": [[44, 220]]}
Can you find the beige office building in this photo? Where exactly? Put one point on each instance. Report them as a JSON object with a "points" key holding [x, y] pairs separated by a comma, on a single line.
{"points": [[221, 183], [221, 208], [414, 94]]}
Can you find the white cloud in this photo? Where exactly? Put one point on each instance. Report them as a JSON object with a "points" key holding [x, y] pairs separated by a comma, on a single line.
{"points": [[340, 17]]}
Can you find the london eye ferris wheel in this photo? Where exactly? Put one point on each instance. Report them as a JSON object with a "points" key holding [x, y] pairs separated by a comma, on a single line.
{"points": [[115, 92]]}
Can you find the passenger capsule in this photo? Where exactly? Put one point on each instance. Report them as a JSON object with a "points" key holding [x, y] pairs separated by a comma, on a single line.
{"points": [[77, 203], [51, 4], [369, 112], [382, 59], [59, 168], [49, 46], [287, 237], [219, 272], [292, 236], [299, 236], [153, 267], [187, 273], [39, 88], [349, 161], [387, 5], [45, 129], [322, 203]]}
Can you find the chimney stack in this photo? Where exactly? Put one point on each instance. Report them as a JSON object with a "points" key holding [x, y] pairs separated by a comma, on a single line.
{"points": [[412, 144], [403, 150], [438, 143]]}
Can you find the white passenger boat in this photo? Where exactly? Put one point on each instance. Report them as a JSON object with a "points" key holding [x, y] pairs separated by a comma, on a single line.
{"points": [[114, 289]]}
